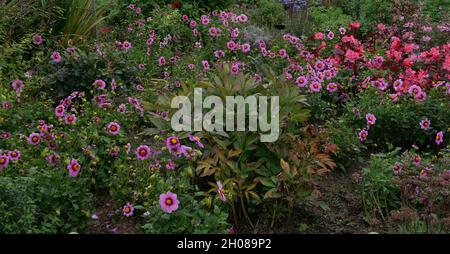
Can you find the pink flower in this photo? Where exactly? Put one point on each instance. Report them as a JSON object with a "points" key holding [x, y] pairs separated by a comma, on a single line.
{"points": [[128, 210], [301, 81], [425, 124], [173, 143], [420, 97], [231, 45], [34, 138], [332, 87], [6, 104], [74, 168], [381, 27], [221, 192], [168, 202], [37, 39], [18, 85], [219, 53], [143, 152], [342, 30], [439, 138], [170, 165], [416, 160], [363, 135], [56, 57], [371, 119], [282, 53], [206, 65], [70, 119], [196, 139], [4, 162], [14, 155], [315, 86], [162, 61], [330, 35], [319, 66], [245, 48], [414, 90], [234, 69], [113, 128], [126, 45], [99, 84], [351, 55], [319, 36], [397, 168], [354, 25]]}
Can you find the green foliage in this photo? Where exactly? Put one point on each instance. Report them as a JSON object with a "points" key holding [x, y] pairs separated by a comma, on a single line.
{"points": [[45, 201], [380, 194], [394, 119], [268, 13], [327, 18]]}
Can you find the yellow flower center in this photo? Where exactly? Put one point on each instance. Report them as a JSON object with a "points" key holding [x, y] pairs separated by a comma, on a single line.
{"points": [[169, 201], [75, 167], [173, 141]]}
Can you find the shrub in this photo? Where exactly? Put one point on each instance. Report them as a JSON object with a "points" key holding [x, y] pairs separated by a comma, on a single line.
{"points": [[45, 201]]}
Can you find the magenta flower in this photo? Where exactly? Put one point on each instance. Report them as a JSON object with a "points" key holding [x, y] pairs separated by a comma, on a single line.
{"points": [[171, 165], [5, 135], [439, 138], [143, 152], [126, 45], [59, 111], [56, 57], [206, 65], [415, 90], [17, 85], [196, 139], [74, 168], [154, 167], [397, 168], [371, 119], [282, 53], [70, 50], [332, 87], [363, 135], [6, 104], [235, 69], [330, 35], [315, 86], [301, 81], [173, 143], [37, 39], [113, 128], [342, 30], [34, 138], [14, 155], [128, 210], [245, 48], [162, 61], [4, 162], [221, 192], [425, 124], [417, 160], [168, 202], [70, 119], [99, 84], [231, 45], [219, 53], [319, 66]]}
